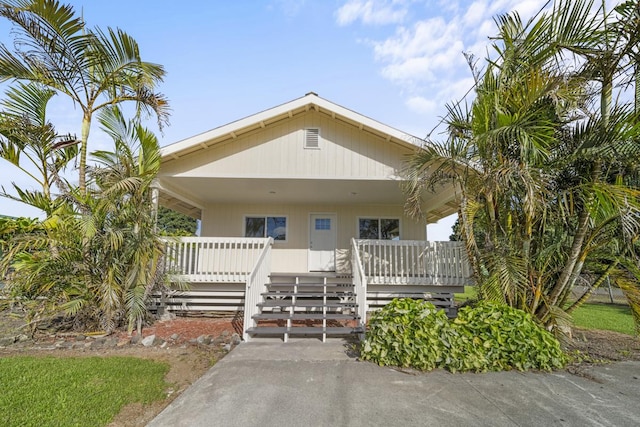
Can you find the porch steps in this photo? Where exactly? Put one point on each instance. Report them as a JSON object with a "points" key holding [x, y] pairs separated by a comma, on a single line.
{"points": [[311, 330], [319, 305], [305, 316]]}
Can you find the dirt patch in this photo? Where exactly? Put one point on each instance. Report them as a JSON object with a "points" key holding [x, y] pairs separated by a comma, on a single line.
{"points": [[593, 347]]}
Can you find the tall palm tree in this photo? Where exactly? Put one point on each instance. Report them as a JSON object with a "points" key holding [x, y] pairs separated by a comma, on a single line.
{"points": [[27, 141], [108, 259], [95, 69], [530, 160]]}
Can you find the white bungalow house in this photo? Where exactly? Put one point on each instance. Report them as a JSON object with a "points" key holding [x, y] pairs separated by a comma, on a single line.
{"points": [[302, 221]]}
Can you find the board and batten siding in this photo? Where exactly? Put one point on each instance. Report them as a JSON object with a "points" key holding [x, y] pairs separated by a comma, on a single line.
{"points": [[223, 220], [277, 151]]}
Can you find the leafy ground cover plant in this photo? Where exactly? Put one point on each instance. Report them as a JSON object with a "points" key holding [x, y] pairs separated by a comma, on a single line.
{"points": [[484, 337], [406, 333]]}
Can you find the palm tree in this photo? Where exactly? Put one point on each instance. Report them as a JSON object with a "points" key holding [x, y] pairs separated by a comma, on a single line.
{"points": [[108, 259], [95, 69], [27, 141], [530, 160]]}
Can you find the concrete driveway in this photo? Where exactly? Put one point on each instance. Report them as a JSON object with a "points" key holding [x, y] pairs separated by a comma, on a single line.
{"points": [[308, 383]]}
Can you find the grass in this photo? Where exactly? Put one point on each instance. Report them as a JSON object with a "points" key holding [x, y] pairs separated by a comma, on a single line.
{"points": [[88, 391], [610, 317], [469, 293]]}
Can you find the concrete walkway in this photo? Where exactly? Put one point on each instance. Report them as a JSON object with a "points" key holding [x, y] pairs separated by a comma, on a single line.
{"points": [[308, 383]]}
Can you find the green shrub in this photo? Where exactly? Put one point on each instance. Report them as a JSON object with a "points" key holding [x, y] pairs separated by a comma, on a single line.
{"points": [[488, 336], [509, 338], [406, 333]]}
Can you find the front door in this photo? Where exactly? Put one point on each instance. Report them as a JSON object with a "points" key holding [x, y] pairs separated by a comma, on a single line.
{"points": [[322, 242]]}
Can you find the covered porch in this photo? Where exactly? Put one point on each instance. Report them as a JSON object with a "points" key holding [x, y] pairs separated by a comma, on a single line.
{"points": [[236, 275]]}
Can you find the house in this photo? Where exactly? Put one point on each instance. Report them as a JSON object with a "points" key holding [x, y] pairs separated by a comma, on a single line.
{"points": [[302, 218]]}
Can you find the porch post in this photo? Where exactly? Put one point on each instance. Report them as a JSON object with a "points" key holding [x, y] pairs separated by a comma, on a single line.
{"points": [[155, 196]]}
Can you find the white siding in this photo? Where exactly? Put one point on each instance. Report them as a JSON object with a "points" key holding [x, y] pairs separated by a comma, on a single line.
{"points": [[277, 151]]}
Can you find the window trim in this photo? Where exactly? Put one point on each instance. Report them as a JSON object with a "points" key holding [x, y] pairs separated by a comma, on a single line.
{"points": [[286, 226], [379, 218]]}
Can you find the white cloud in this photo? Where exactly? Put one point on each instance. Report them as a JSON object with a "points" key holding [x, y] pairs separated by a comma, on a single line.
{"points": [[475, 13], [421, 105], [290, 8], [424, 55], [371, 12]]}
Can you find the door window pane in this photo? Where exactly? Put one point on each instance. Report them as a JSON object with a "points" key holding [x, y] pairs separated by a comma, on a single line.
{"points": [[323, 223]]}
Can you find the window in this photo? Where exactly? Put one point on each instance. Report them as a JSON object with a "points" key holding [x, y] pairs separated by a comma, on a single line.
{"points": [[312, 138], [323, 223], [379, 228], [266, 226]]}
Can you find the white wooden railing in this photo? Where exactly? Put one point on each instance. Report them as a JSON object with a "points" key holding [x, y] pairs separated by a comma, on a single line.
{"points": [[256, 285], [213, 259], [360, 284], [414, 262]]}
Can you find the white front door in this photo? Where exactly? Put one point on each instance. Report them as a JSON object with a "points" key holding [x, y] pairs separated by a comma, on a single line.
{"points": [[322, 242]]}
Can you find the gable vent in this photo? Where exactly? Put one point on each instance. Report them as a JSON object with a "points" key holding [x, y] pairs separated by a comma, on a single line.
{"points": [[312, 138]]}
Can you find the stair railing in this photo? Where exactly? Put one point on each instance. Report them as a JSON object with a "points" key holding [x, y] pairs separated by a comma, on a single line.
{"points": [[256, 285], [360, 285]]}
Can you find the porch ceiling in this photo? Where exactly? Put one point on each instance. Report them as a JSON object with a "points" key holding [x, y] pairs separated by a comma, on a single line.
{"points": [[190, 194]]}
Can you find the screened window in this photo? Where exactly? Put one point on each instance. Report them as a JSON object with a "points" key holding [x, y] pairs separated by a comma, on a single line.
{"points": [[379, 228], [266, 226]]}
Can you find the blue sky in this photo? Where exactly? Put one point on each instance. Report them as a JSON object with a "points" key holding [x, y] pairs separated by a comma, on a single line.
{"points": [[396, 61]]}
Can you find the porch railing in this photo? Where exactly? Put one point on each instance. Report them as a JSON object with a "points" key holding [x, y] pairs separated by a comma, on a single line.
{"points": [[213, 259], [360, 284], [256, 285], [414, 262]]}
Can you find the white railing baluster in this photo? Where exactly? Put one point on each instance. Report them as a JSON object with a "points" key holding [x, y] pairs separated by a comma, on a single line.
{"points": [[413, 262], [211, 259]]}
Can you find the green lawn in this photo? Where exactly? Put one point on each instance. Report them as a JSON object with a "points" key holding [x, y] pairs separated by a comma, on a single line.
{"points": [[611, 317], [88, 391], [469, 293]]}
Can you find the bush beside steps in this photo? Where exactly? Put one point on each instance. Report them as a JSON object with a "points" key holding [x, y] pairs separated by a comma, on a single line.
{"points": [[486, 337]]}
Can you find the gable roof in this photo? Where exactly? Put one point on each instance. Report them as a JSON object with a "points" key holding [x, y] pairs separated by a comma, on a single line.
{"points": [[311, 101]]}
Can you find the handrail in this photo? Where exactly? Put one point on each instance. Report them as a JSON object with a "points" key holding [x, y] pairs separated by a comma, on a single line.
{"points": [[414, 262], [213, 259], [256, 285], [359, 284]]}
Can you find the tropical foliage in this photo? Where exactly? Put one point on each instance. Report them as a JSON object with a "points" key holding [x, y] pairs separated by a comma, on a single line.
{"points": [[487, 337], [97, 258], [172, 223], [95, 255], [545, 161], [93, 68]]}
